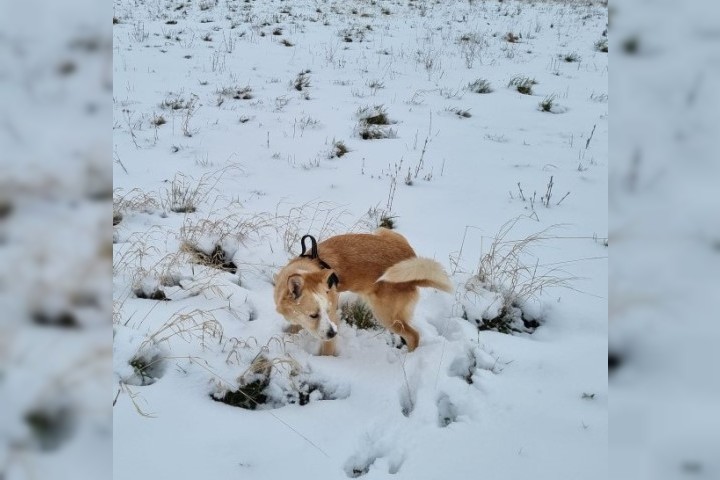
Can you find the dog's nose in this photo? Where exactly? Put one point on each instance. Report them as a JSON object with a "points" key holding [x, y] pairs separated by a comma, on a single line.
{"points": [[331, 333]]}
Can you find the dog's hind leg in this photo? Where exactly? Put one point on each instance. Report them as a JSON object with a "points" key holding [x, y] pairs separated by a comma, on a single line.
{"points": [[393, 306], [408, 333]]}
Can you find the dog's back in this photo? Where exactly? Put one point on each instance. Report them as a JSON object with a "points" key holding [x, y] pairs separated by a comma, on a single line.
{"points": [[360, 259]]}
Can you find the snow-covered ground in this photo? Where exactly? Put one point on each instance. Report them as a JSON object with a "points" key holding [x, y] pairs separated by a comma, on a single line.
{"points": [[55, 255], [665, 241], [228, 121]]}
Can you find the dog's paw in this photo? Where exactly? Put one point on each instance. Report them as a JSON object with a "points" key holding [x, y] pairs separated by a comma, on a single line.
{"points": [[395, 340]]}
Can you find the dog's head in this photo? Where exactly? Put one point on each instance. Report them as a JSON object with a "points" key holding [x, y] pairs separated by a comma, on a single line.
{"points": [[310, 299]]}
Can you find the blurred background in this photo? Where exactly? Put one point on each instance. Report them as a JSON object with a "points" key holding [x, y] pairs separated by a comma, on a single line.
{"points": [[55, 239], [665, 239]]}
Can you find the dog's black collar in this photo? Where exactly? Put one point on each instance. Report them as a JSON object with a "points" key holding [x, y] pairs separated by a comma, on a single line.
{"points": [[313, 255]]}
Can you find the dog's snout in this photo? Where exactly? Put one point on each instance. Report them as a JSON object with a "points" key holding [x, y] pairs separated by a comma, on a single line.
{"points": [[331, 333]]}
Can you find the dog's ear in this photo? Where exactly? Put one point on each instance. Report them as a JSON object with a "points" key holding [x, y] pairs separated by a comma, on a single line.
{"points": [[295, 285], [332, 280]]}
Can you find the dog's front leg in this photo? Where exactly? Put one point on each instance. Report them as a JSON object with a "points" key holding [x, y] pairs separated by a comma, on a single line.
{"points": [[328, 348]]}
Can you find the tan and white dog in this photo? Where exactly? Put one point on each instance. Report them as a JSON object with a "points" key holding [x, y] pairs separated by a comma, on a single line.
{"points": [[382, 268]]}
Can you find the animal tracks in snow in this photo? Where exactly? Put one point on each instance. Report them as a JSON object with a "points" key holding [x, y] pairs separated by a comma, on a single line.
{"points": [[466, 366], [447, 411], [378, 451], [423, 405], [408, 395]]}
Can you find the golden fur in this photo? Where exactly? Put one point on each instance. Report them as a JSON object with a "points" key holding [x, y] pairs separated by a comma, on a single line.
{"points": [[381, 267]]}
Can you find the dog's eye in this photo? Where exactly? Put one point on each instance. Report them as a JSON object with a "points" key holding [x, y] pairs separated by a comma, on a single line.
{"points": [[315, 315]]}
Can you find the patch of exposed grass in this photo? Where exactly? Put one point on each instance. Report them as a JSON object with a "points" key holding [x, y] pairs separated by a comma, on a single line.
{"points": [[547, 104], [631, 45], [460, 112], [176, 102], [237, 93], [522, 84], [511, 319], [157, 294], [376, 115], [369, 132], [217, 258], [480, 86], [358, 315], [247, 396], [373, 122], [50, 425], [302, 81], [387, 221], [571, 57], [339, 149], [62, 319], [147, 368], [354, 34], [510, 37]]}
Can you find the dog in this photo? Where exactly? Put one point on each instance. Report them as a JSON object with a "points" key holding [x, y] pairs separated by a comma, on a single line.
{"points": [[381, 267]]}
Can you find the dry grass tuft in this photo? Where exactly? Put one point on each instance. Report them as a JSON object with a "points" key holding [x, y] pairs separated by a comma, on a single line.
{"points": [[135, 201], [505, 268], [523, 84], [217, 258], [339, 149], [193, 325], [321, 219], [481, 86], [373, 123]]}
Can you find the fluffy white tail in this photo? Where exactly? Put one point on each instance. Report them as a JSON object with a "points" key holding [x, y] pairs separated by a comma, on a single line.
{"points": [[423, 271]]}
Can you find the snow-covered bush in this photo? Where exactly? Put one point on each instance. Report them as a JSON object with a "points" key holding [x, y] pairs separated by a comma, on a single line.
{"points": [[272, 378]]}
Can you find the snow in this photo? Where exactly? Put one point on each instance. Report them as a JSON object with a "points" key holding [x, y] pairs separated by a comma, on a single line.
{"points": [[664, 289], [55, 191], [258, 174]]}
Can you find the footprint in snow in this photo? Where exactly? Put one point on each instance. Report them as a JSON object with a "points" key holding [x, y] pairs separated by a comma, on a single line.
{"points": [[360, 463], [466, 366], [447, 411], [408, 393], [408, 397]]}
